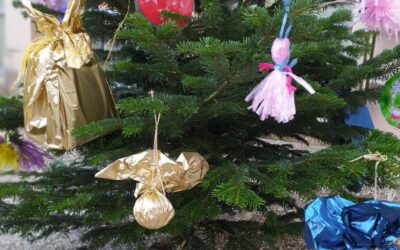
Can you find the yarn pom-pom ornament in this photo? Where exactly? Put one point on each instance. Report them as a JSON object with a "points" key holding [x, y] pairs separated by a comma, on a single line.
{"points": [[19, 153], [274, 96], [8, 156], [379, 15]]}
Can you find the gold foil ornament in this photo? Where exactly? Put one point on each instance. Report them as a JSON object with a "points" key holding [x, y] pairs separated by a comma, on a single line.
{"points": [[153, 210], [157, 174], [64, 85], [185, 173], [188, 171], [194, 166]]}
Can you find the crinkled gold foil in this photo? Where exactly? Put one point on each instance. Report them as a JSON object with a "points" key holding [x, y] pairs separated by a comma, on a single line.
{"points": [[153, 210], [185, 173], [64, 85], [195, 168]]}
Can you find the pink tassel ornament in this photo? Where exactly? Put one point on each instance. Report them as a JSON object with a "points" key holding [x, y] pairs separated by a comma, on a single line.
{"points": [[274, 96], [379, 15]]}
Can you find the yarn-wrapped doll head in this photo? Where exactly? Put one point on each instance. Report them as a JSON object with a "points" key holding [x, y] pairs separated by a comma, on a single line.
{"points": [[280, 50]]}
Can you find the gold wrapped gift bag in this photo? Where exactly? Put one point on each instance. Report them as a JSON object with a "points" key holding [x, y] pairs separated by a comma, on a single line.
{"points": [[64, 85]]}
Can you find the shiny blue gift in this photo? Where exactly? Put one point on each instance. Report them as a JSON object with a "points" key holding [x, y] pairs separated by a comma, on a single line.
{"points": [[336, 223], [324, 226], [372, 224]]}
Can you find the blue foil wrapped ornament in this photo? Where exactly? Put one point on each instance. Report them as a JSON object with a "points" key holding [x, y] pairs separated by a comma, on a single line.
{"points": [[338, 224], [324, 226], [372, 224]]}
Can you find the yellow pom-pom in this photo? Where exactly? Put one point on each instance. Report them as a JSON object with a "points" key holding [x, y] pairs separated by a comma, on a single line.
{"points": [[8, 157]]}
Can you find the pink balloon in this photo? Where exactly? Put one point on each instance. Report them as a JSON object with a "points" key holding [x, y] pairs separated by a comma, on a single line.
{"points": [[151, 9]]}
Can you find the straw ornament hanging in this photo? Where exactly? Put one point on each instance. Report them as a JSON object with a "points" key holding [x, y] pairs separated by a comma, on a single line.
{"points": [[156, 175]]}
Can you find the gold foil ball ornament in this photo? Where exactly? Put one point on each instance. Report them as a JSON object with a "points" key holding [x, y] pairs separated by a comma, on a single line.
{"points": [[153, 210], [156, 174]]}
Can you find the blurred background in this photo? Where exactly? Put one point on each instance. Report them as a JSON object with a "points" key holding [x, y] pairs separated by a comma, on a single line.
{"points": [[16, 33]]}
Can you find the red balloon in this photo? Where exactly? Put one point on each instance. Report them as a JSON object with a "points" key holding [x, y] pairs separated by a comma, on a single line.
{"points": [[151, 9]]}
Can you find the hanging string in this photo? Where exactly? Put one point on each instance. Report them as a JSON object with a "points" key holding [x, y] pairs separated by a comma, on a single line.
{"points": [[282, 33], [378, 158], [114, 40], [157, 117]]}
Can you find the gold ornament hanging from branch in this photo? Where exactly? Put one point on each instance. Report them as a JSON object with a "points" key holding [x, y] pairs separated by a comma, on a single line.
{"points": [[156, 175], [153, 210]]}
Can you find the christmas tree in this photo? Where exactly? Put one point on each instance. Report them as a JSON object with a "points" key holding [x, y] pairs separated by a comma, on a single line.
{"points": [[200, 74]]}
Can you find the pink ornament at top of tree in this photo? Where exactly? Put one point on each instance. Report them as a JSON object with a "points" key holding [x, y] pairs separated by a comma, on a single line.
{"points": [[379, 15], [152, 9]]}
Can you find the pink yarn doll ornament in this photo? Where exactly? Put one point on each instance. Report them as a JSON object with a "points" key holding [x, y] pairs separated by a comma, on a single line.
{"points": [[274, 96], [379, 15]]}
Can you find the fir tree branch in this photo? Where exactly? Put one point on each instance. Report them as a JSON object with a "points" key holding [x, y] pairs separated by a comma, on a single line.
{"points": [[221, 88], [324, 5]]}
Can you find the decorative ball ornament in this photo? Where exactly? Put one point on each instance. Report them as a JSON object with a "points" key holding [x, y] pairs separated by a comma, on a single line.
{"points": [[152, 9], [153, 210], [390, 101]]}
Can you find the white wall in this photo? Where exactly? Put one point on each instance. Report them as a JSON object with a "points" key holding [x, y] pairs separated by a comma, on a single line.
{"points": [[2, 41], [378, 119], [18, 35]]}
